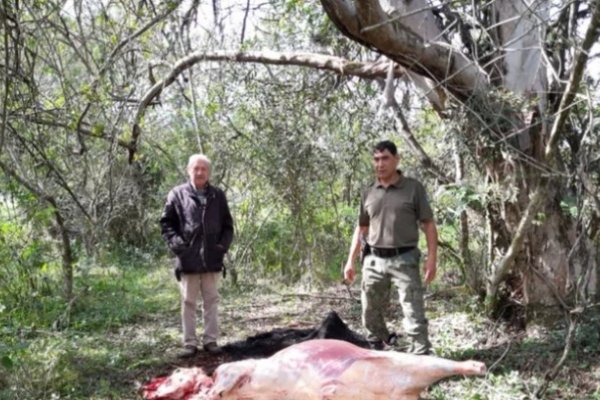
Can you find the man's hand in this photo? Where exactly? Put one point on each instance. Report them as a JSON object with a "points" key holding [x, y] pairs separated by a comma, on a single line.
{"points": [[430, 270], [349, 272], [178, 245]]}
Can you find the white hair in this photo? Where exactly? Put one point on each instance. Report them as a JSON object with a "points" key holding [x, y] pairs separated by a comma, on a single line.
{"points": [[198, 157]]}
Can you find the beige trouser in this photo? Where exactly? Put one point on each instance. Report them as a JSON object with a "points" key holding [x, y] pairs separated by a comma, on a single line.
{"points": [[191, 286]]}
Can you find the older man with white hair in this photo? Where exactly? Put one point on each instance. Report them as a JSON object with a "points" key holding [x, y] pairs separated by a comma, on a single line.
{"points": [[198, 228]]}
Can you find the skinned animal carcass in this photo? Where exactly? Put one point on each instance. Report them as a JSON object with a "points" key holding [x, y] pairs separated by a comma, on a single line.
{"points": [[180, 385], [326, 369]]}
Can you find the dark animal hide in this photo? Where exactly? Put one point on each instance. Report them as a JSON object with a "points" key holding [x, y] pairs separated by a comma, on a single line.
{"points": [[268, 343]]}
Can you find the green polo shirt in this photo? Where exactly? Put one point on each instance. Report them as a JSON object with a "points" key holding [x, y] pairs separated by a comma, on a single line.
{"points": [[393, 214]]}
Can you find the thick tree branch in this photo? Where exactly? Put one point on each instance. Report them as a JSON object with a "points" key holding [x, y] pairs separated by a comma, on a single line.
{"points": [[171, 6], [81, 129], [339, 65], [433, 59]]}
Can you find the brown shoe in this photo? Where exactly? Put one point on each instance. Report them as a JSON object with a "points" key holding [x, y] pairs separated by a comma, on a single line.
{"points": [[212, 348], [187, 352]]}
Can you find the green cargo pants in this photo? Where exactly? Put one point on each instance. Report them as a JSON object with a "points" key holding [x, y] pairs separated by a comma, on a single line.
{"points": [[377, 276]]}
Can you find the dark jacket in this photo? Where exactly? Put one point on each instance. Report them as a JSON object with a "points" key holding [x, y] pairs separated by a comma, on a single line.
{"points": [[198, 235]]}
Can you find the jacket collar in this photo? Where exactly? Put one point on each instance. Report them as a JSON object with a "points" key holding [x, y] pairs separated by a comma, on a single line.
{"points": [[210, 190]]}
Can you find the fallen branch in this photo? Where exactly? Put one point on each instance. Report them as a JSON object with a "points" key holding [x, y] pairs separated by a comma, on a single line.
{"points": [[315, 296]]}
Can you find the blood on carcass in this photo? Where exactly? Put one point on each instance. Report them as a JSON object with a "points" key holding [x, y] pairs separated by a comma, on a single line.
{"points": [[328, 369], [180, 385]]}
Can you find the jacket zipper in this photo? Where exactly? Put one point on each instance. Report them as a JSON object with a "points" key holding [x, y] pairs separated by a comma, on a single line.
{"points": [[209, 196], [202, 259]]}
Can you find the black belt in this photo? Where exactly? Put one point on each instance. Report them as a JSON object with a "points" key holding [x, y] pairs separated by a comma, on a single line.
{"points": [[388, 253]]}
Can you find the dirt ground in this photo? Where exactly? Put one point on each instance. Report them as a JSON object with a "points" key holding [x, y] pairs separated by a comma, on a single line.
{"points": [[517, 360]]}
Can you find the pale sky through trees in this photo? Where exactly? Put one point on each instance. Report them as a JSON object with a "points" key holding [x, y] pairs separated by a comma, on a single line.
{"points": [[234, 12]]}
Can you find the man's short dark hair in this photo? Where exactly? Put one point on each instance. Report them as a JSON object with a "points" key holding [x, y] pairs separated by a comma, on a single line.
{"points": [[385, 145]]}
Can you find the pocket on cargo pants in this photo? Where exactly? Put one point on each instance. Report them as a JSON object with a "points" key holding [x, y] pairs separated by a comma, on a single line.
{"points": [[375, 297]]}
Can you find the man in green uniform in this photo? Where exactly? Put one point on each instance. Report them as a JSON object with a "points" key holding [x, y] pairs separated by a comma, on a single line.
{"points": [[391, 211]]}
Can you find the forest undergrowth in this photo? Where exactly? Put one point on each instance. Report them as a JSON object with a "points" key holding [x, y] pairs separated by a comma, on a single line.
{"points": [[123, 329]]}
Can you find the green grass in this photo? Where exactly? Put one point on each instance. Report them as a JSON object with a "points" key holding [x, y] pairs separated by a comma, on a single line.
{"points": [[98, 348]]}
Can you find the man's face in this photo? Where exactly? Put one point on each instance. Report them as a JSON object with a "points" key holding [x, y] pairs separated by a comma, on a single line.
{"points": [[385, 164], [199, 173]]}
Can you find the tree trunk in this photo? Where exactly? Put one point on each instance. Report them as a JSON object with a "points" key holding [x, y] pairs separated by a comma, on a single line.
{"points": [[506, 136], [67, 256], [557, 263]]}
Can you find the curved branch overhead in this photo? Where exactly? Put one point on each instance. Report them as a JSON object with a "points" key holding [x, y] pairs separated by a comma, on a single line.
{"points": [[366, 22], [338, 65]]}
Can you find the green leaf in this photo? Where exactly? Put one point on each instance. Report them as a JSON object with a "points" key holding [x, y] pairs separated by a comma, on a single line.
{"points": [[7, 362], [98, 129], [59, 102]]}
